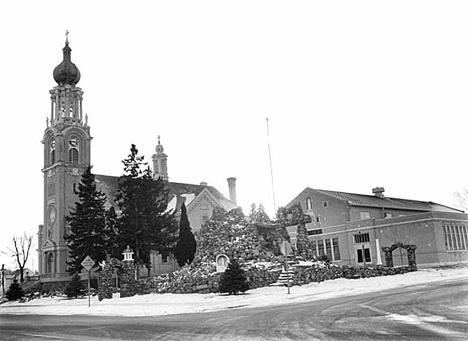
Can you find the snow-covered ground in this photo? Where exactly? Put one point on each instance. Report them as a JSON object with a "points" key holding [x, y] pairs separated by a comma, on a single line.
{"points": [[154, 304]]}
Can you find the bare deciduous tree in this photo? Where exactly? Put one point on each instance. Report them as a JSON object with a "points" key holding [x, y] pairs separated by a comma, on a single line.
{"points": [[20, 250], [461, 198]]}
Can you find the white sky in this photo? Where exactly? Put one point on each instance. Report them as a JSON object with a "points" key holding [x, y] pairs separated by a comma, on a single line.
{"points": [[358, 94]]}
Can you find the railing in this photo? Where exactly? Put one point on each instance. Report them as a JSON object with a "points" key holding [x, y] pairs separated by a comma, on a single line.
{"points": [[30, 286]]}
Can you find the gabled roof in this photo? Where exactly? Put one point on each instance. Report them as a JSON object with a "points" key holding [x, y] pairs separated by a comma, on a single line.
{"points": [[109, 185], [364, 200]]}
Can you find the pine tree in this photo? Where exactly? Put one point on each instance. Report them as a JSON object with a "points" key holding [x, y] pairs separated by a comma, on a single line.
{"points": [[258, 215], [143, 224], [88, 235], [75, 287], [233, 280], [112, 230], [186, 245], [14, 292]]}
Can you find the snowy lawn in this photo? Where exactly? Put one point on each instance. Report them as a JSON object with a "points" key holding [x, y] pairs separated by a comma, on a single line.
{"points": [[155, 304]]}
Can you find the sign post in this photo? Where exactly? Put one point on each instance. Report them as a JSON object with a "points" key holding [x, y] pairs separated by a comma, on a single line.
{"points": [[286, 250], [88, 263]]}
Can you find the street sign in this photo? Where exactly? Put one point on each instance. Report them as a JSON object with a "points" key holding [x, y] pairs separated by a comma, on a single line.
{"points": [[87, 263], [286, 248]]}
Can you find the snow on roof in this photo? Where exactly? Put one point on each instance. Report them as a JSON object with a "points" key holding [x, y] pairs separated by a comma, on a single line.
{"points": [[172, 205], [188, 198]]}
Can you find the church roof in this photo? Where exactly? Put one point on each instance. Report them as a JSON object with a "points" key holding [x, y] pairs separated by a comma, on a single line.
{"points": [[182, 191]]}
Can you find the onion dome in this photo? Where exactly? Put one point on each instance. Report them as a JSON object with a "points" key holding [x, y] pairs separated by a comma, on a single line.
{"points": [[159, 148], [66, 72]]}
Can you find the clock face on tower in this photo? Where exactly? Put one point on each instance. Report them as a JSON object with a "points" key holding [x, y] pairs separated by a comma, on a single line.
{"points": [[52, 215], [73, 142]]}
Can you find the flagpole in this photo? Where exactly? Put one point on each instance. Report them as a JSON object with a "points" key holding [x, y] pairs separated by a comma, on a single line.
{"points": [[271, 167]]}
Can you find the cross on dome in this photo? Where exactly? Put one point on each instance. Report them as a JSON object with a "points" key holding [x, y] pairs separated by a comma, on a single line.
{"points": [[66, 73]]}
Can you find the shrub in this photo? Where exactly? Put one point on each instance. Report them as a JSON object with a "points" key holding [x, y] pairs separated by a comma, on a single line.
{"points": [[74, 288], [233, 280], [14, 291]]}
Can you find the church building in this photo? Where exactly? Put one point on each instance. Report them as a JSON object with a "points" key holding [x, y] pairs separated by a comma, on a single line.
{"points": [[67, 153]]}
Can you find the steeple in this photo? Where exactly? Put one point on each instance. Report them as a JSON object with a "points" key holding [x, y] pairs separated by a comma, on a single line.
{"points": [[160, 162], [67, 153], [66, 73], [66, 97]]}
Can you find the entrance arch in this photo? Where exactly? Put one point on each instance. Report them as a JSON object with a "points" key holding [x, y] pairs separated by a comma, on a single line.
{"points": [[410, 251]]}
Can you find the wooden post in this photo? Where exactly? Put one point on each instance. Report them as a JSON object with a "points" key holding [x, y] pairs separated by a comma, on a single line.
{"points": [[89, 288]]}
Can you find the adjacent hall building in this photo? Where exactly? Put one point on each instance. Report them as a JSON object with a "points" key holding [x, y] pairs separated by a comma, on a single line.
{"points": [[352, 229]]}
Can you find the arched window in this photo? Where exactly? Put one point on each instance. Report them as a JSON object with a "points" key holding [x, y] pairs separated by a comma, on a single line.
{"points": [[73, 149], [50, 263], [73, 155], [308, 204], [52, 152]]}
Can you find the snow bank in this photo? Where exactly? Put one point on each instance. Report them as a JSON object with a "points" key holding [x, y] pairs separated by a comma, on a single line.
{"points": [[154, 304]]}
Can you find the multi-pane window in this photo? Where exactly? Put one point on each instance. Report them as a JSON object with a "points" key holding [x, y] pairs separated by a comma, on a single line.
{"points": [[329, 247], [365, 215], [73, 155], [321, 249], [336, 249], [456, 237], [361, 238], [324, 204]]}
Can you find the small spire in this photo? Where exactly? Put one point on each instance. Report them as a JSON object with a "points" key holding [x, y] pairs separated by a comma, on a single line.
{"points": [[66, 35], [159, 139]]}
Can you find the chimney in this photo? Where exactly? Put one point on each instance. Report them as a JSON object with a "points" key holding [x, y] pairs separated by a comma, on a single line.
{"points": [[232, 190], [203, 183], [378, 192]]}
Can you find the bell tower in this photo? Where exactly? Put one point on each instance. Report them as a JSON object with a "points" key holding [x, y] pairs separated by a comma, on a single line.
{"points": [[160, 162], [67, 152]]}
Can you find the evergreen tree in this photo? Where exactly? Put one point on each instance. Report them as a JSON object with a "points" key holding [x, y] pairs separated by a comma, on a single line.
{"points": [[186, 245], [143, 224], [258, 215], [233, 280], [88, 235], [14, 292], [111, 235], [75, 287]]}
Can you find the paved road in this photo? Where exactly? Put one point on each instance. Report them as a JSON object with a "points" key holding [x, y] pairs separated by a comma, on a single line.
{"points": [[425, 312]]}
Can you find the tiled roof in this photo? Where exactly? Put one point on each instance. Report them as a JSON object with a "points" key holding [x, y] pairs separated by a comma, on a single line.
{"points": [[109, 185], [386, 202]]}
